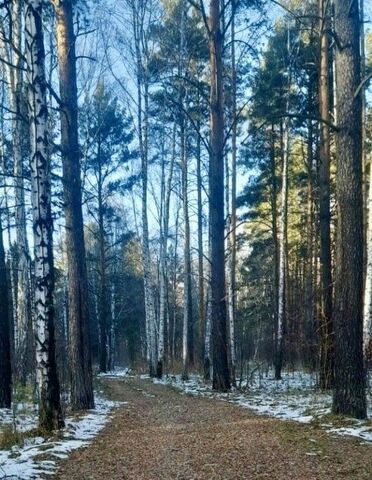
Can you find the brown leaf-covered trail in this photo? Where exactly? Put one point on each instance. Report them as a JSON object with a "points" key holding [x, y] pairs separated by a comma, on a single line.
{"points": [[163, 434]]}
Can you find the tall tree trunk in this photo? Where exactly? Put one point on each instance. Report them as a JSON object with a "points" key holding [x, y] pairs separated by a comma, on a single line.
{"points": [[50, 415], [13, 67], [187, 337], [282, 255], [142, 120], [367, 312], [23, 312], [201, 290], [79, 345], [221, 374], [163, 310], [174, 280], [5, 365], [149, 298], [208, 317], [232, 223], [349, 376], [103, 291], [274, 228], [310, 355], [162, 273], [326, 327]]}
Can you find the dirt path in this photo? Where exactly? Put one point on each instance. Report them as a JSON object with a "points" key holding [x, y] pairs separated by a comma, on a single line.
{"points": [[164, 435]]}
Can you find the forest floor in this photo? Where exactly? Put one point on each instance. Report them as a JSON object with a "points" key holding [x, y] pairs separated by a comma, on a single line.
{"points": [[161, 433]]}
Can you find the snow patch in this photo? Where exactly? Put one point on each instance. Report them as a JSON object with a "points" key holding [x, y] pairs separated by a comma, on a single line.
{"points": [[38, 455], [295, 398], [116, 373]]}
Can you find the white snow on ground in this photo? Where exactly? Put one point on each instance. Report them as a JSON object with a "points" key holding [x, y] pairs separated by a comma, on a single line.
{"points": [[38, 455], [116, 373], [295, 397], [23, 418]]}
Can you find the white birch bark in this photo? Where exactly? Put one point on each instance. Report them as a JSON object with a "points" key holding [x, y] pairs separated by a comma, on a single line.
{"points": [[21, 296], [140, 47], [208, 335], [208, 322], [367, 309], [232, 224], [163, 311], [46, 374], [367, 312], [187, 263], [282, 249], [23, 292]]}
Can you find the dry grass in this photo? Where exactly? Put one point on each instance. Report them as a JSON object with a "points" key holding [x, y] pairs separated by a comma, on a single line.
{"points": [[163, 435]]}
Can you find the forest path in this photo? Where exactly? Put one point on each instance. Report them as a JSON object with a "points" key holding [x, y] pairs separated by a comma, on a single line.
{"points": [[162, 434]]}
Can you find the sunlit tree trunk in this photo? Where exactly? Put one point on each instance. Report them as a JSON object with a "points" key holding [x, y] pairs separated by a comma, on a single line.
{"points": [[367, 312], [103, 306], [326, 328], [50, 415], [283, 221], [309, 330], [221, 374], [274, 229], [349, 376], [232, 224], [142, 120], [201, 289], [12, 55], [208, 327], [187, 340], [79, 339], [163, 311]]}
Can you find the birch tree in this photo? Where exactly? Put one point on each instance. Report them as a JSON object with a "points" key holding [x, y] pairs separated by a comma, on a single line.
{"points": [[12, 52], [140, 19], [282, 241], [50, 414], [232, 224], [5, 365], [164, 221], [187, 343]]}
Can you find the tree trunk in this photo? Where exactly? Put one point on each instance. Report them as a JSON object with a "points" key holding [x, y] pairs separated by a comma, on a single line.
{"points": [[174, 280], [142, 119], [79, 345], [13, 67], [282, 256], [221, 374], [349, 376], [232, 223], [103, 306], [187, 337], [274, 228], [310, 330], [50, 415], [23, 304], [163, 311], [208, 327], [5, 365], [201, 295], [326, 327], [149, 298]]}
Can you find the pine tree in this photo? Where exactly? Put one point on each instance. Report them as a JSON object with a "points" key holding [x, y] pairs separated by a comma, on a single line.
{"points": [[349, 396]]}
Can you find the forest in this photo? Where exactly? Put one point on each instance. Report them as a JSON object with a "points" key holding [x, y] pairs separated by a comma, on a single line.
{"points": [[185, 239]]}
